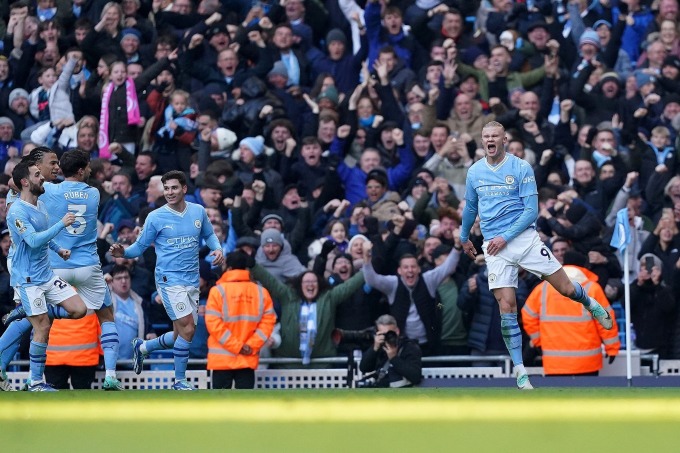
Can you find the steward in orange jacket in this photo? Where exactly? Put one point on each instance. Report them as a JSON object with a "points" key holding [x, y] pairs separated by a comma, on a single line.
{"points": [[240, 318], [569, 336], [73, 351]]}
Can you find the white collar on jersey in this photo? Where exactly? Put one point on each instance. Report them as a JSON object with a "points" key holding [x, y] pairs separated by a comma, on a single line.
{"points": [[498, 165]]}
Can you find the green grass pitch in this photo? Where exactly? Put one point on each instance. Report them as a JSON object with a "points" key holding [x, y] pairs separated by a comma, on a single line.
{"points": [[348, 421]]}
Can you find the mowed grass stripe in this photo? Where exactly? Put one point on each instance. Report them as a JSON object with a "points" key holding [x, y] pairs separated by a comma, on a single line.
{"points": [[354, 410]]}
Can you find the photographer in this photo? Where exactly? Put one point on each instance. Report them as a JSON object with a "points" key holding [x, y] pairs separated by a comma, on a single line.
{"points": [[393, 360]]}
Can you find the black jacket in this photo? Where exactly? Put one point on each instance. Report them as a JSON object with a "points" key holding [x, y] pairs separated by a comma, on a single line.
{"points": [[406, 365]]}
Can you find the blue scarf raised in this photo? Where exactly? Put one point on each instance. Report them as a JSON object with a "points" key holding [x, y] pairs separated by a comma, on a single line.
{"points": [[185, 123], [307, 330]]}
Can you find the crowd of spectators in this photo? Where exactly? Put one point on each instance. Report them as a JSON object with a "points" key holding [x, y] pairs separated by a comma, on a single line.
{"points": [[309, 129]]}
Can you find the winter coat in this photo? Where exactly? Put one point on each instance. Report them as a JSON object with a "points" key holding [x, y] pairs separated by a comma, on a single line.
{"points": [[326, 306]]}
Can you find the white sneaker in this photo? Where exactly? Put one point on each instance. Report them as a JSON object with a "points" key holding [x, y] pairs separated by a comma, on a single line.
{"points": [[523, 382]]}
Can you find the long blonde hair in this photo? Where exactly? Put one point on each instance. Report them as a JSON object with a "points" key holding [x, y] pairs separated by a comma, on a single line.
{"points": [[118, 8]]}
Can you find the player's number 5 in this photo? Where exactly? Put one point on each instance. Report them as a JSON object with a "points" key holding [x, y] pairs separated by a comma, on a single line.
{"points": [[78, 226]]}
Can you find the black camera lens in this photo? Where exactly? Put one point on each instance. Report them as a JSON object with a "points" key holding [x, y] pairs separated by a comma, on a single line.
{"points": [[390, 338]]}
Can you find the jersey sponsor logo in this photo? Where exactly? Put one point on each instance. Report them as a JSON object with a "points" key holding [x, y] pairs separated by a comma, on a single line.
{"points": [[509, 180], [528, 179], [492, 278], [181, 306], [20, 225], [197, 224], [38, 303], [182, 242]]}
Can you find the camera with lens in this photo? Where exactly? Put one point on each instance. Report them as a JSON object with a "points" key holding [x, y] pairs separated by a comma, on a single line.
{"points": [[367, 382], [359, 338], [391, 338]]}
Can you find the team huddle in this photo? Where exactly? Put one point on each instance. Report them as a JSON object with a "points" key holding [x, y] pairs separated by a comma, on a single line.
{"points": [[56, 273]]}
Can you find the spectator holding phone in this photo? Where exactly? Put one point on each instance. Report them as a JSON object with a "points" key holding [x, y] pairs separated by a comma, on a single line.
{"points": [[653, 308]]}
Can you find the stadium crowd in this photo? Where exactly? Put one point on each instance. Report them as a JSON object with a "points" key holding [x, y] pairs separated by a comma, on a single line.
{"points": [[311, 129]]}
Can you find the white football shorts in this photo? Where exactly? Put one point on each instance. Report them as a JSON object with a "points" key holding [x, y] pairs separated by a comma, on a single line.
{"points": [[90, 284], [526, 250], [34, 299], [179, 301]]}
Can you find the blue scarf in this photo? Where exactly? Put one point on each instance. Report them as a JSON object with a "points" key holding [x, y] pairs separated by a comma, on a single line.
{"points": [[185, 123], [307, 330], [661, 155], [600, 158], [367, 122]]}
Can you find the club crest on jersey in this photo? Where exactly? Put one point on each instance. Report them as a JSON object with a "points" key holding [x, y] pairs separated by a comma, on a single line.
{"points": [[38, 303], [197, 224], [20, 225], [492, 278], [181, 306], [509, 179]]}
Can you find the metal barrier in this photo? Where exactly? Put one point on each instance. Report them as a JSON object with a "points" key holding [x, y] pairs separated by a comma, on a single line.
{"points": [[326, 378]]}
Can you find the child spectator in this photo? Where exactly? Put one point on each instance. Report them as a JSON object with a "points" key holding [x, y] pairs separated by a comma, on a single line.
{"points": [[177, 134]]}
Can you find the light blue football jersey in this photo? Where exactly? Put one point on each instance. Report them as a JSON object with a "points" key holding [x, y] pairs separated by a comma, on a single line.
{"points": [[177, 236], [12, 196], [497, 191], [31, 233], [80, 238]]}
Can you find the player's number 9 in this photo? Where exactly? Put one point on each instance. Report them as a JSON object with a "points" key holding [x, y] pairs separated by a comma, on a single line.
{"points": [[78, 226], [545, 252]]}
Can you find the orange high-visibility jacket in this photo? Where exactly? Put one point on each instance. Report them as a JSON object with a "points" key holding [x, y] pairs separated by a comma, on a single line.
{"points": [[570, 337], [74, 342], [238, 312]]}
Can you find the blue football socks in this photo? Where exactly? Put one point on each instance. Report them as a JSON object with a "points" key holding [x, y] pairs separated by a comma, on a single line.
{"points": [[181, 351], [512, 337], [38, 355], [165, 341], [110, 345], [11, 340]]}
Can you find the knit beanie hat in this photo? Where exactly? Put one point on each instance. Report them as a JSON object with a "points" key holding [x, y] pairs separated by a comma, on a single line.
{"points": [[610, 76], [271, 236], [642, 79], [225, 138], [5, 120], [255, 144], [354, 239], [272, 217], [278, 69], [336, 35], [589, 37], [330, 93], [17, 93]]}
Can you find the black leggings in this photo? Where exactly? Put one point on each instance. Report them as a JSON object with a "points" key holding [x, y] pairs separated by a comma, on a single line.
{"points": [[82, 377], [243, 379]]}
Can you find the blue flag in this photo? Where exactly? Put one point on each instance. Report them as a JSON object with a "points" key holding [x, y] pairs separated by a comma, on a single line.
{"points": [[621, 236]]}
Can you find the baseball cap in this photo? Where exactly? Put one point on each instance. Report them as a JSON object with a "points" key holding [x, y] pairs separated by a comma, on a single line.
{"points": [[126, 223]]}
